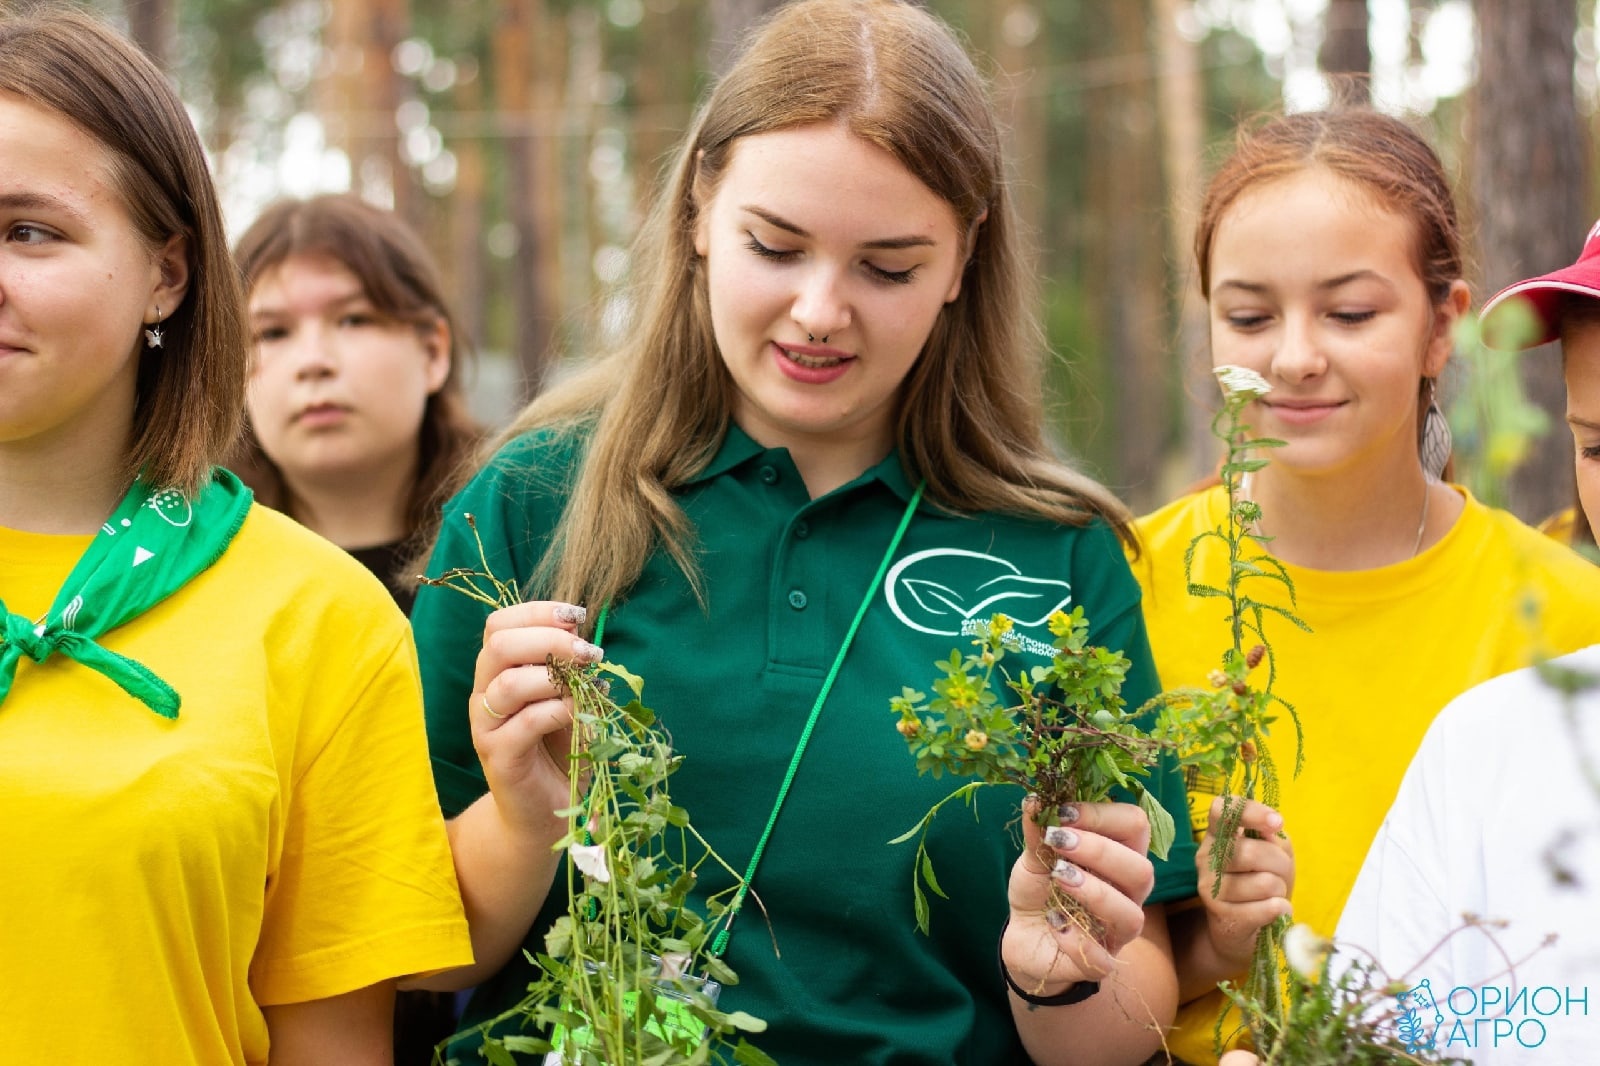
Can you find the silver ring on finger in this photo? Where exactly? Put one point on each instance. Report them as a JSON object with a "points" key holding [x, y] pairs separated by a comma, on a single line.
{"points": [[483, 698]]}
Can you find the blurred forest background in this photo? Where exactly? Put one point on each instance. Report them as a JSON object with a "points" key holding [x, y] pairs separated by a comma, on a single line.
{"points": [[524, 136]]}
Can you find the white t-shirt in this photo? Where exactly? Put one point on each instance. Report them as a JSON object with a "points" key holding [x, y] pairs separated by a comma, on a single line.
{"points": [[1498, 817]]}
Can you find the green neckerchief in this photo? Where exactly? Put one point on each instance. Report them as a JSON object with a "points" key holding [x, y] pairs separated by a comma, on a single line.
{"points": [[155, 542]]}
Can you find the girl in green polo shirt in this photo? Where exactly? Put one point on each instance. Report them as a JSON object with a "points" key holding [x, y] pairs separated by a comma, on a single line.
{"points": [[832, 341]]}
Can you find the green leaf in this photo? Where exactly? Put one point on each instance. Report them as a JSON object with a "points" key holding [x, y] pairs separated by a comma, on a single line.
{"points": [[748, 1023], [920, 906], [927, 875], [1163, 832], [527, 1044], [497, 1054], [632, 680], [749, 1055], [719, 970]]}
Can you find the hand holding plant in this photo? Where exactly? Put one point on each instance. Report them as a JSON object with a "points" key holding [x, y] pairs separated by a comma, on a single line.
{"points": [[1222, 730], [1067, 741], [1298, 1007], [628, 974], [1256, 883]]}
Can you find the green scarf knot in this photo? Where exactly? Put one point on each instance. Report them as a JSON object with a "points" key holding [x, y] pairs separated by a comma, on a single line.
{"points": [[22, 637], [154, 543]]}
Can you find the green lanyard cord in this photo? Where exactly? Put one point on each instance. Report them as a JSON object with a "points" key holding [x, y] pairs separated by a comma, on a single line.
{"points": [[721, 943]]}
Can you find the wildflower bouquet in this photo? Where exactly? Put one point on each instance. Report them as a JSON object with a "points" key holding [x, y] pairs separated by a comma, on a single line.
{"points": [[1339, 1011], [627, 975], [1300, 1007], [1064, 736]]}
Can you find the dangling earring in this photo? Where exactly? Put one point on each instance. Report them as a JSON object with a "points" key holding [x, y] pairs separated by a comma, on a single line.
{"points": [[1434, 445], [152, 336]]}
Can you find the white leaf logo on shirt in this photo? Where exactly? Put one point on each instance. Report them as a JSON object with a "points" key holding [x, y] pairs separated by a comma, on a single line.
{"points": [[938, 590]]}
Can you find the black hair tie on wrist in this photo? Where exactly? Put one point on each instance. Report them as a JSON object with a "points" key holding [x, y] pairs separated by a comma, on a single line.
{"points": [[1076, 992]]}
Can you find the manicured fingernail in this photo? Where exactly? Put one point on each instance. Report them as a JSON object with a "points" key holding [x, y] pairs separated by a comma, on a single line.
{"points": [[1274, 821], [1068, 814], [1068, 873], [1059, 836], [569, 612], [1057, 920], [583, 651]]}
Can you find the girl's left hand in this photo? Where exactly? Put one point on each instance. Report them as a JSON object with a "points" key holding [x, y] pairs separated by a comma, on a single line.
{"points": [[1100, 859]]}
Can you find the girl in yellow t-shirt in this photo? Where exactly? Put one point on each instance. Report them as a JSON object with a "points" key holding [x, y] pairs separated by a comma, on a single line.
{"points": [[1328, 251], [220, 840]]}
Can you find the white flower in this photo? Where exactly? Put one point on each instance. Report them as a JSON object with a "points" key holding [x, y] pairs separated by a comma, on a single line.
{"points": [[591, 859], [1241, 381], [1305, 950]]}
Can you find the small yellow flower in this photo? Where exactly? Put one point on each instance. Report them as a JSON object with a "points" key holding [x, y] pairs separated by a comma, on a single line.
{"points": [[1217, 678], [977, 740], [908, 727]]}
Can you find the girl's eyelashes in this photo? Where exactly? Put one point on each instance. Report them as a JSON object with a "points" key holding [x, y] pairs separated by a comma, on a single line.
{"points": [[1589, 451], [891, 277], [764, 252], [27, 233], [1247, 320]]}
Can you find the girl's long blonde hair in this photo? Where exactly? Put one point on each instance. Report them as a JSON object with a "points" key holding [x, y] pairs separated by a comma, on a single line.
{"points": [[656, 408]]}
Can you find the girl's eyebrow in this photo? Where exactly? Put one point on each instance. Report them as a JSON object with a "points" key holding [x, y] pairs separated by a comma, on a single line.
{"points": [[35, 201], [1257, 287], [882, 243], [1582, 423]]}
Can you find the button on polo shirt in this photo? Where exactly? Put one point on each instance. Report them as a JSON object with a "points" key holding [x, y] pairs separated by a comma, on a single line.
{"points": [[851, 979]]}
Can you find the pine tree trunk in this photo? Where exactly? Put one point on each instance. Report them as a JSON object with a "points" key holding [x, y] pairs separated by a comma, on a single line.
{"points": [[521, 24], [1529, 172], [730, 20], [153, 26], [1346, 53], [1181, 93]]}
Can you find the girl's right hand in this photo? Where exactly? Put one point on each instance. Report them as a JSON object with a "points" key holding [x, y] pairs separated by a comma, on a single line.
{"points": [[1256, 883], [521, 722]]}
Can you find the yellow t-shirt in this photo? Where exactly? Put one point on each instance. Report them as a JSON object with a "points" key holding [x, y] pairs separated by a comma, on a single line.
{"points": [[1388, 648], [279, 842]]}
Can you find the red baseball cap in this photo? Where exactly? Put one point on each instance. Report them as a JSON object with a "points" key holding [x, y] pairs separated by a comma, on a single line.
{"points": [[1544, 296]]}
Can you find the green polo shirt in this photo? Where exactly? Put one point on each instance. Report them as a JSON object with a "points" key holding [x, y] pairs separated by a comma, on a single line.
{"points": [[851, 979]]}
